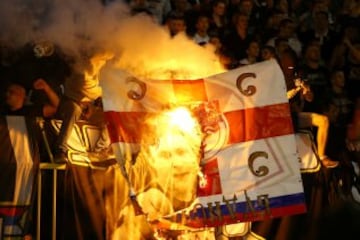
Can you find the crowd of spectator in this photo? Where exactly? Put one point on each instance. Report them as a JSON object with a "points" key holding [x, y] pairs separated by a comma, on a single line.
{"points": [[316, 41]]}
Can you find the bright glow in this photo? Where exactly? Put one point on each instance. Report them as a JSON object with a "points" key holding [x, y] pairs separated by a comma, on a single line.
{"points": [[171, 150], [181, 118]]}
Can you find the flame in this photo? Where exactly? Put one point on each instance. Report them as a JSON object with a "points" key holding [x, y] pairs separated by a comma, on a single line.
{"points": [[166, 172], [97, 62], [166, 167], [162, 56], [181, 118], [176, 133], [171, 149]]}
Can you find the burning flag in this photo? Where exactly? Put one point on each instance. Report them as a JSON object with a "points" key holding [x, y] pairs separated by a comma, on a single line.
{"points": [[206, 152]]}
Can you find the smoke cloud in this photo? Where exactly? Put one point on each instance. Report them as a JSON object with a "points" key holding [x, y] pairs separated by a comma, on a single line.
{"points": [[78, 27]]}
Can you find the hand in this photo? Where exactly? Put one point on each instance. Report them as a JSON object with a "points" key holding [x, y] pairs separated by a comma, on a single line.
{"points": [[298, 82], [305, 88], [40, 84]]}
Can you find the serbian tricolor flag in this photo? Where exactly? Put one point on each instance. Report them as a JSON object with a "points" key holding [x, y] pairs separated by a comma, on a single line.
{"points": [[19, 161], [249, 167]]}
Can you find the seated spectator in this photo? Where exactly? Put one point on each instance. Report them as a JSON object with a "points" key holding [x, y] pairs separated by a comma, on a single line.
{"points": [[298, 93], [346, 55], [156, 9], [159, 8], [15, 100], [309, 119], [233, 7], [215, 41], [281, 45], [186, 9], [180, 6], [218, 18], [140, 7], [252, 53], [238, 37], [175, 23], [268, 52], [339, 99], [322, 31], [339, 110], [287, 29], [257, 14], [306, 18], [317, 75], [271, 25], [284, 7], [225, 58], [201, 35]]}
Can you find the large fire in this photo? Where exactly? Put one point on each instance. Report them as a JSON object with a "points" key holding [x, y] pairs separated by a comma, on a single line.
{"points": [[172, 151], [166, 169], [166, 172], [174, 154], [145, 49]]}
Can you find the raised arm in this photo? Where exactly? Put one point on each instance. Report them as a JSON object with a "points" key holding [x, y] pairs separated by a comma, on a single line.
{"points": [[292, 92], [302, 87], [50, 108]]}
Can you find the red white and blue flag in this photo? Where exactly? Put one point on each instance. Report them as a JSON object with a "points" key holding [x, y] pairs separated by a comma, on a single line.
{"points": [[249, 160], [19, 161]]}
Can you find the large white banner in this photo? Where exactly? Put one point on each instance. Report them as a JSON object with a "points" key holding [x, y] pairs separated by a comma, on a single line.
{"points": [[238, 163]]}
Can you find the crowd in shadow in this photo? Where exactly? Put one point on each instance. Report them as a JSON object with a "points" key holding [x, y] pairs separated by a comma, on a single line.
{"points": [[317, 42]]}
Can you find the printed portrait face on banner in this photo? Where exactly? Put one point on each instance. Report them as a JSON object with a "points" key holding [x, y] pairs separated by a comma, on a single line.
{"points": [[172, 142]]}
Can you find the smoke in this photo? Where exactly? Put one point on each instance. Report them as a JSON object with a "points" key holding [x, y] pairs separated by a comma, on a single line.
{"points": [[80, 27], [77, 27]]}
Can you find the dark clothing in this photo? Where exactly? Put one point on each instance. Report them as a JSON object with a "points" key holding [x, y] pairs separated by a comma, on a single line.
{"points": [[54, 69], [319, 82], [295, 121], [344, 107], [352, 73], [70, 112], [27, 110], [236, 45], [328, 42]]}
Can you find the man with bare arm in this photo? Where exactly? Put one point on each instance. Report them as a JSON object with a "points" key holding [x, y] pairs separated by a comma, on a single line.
{"points": [[297, 95]]}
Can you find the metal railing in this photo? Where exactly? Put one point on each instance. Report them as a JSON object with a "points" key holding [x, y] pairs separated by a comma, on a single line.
{"points": [[54, 168]]}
